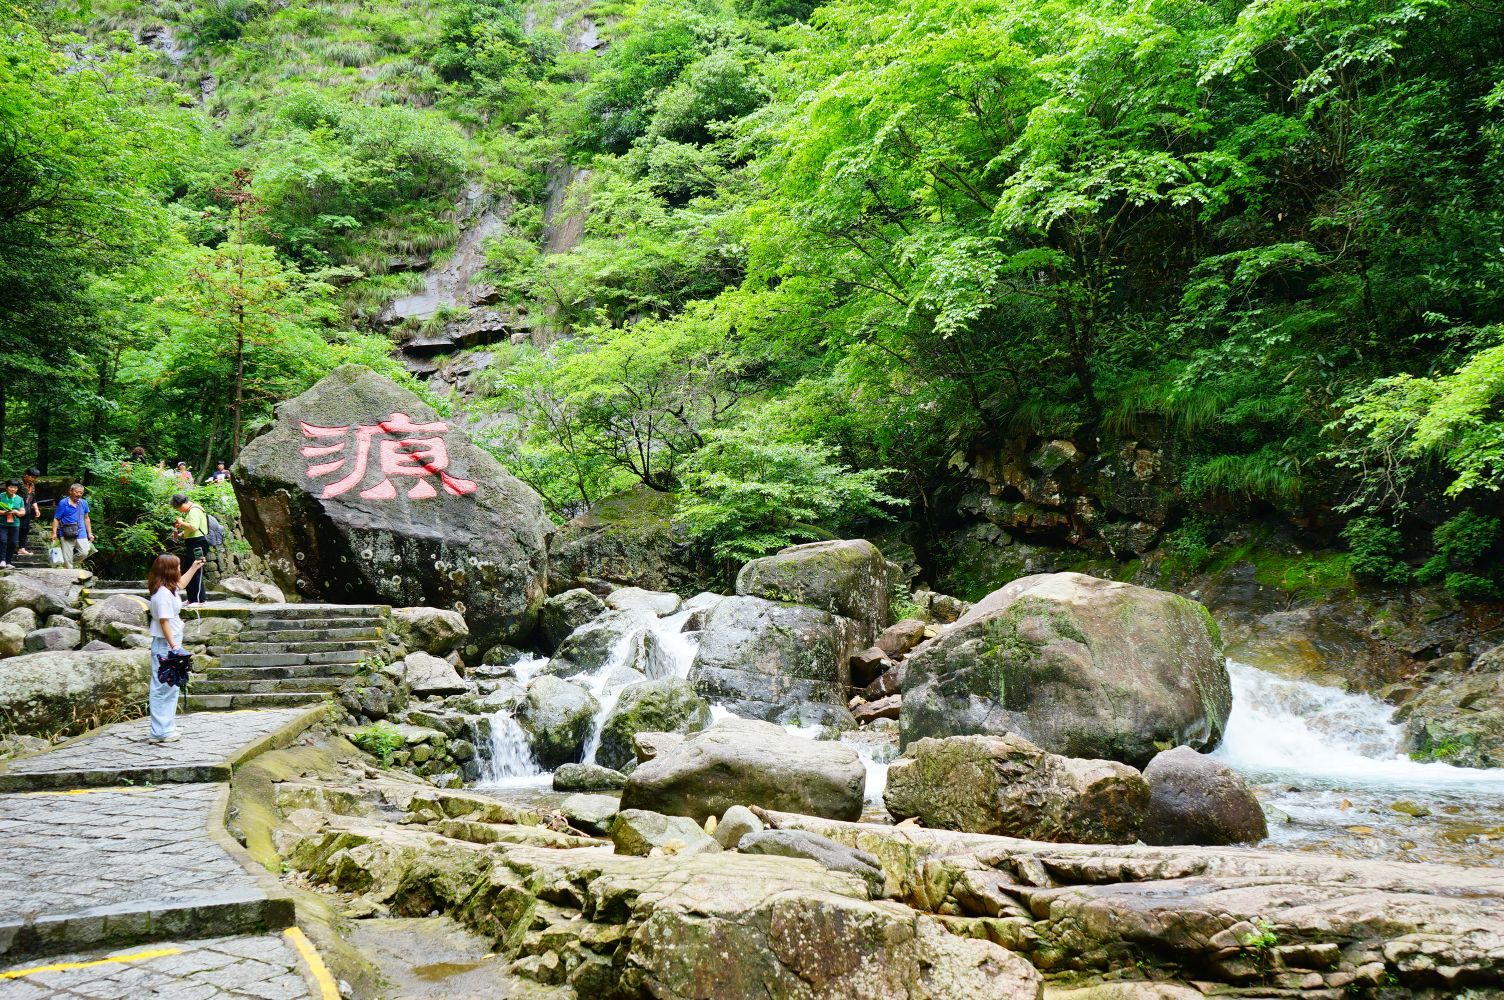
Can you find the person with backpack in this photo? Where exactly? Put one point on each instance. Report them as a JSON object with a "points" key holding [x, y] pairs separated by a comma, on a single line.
{"points": [[72, 529], [12, 508], [192, 527], [162, 583]]}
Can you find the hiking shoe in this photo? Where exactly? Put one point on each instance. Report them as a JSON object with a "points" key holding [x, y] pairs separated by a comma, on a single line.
{"points": [[163, 739]]}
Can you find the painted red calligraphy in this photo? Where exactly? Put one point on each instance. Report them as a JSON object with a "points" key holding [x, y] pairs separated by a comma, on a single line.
{"points": [[398, 452]]}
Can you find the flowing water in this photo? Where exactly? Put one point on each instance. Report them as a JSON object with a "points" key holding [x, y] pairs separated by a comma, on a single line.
{"points": [[511, 760], [1327, 765], [1331, 773]]}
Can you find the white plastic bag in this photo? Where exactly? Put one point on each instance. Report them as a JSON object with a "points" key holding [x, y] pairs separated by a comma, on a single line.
{"points": [[55, 555]]}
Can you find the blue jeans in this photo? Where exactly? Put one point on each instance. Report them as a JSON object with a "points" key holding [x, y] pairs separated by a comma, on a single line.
{"points": [[163, 698], [10, 534]]}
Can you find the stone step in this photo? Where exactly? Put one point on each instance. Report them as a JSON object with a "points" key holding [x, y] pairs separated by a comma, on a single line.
{"points": [[254, 634], [265, 699], [295, 624], [363, 647], [318, 611], [98, 594], [281, 670], [267, 685], [98, 584], [290, 659]]}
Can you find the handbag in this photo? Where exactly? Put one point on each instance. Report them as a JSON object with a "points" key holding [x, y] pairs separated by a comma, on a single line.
{"points": [[173, 669], [68, 531]]}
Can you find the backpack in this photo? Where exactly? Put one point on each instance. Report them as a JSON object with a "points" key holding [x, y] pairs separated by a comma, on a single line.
{"points": [[216, 532]]}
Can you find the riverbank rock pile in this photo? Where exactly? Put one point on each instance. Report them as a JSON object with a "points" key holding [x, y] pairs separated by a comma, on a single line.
{"points": [[359, 491], [1454, 710], [752, 903], [1007, 786]]}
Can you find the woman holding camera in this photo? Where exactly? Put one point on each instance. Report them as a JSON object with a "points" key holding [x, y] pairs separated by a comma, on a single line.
{"points": [[162, 583]]}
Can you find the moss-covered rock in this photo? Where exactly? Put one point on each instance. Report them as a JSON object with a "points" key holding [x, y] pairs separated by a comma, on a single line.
{"points": [[557, 717], [563, 613], [780, 662], [628, 539], [667, 705], [1008, 786], [44, 694], [1458, 716], [846, 577], [1083, 667]]}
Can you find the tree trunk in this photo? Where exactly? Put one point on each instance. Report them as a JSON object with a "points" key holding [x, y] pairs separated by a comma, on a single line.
{"points": [[43, 423], [239, 390], [203, 472]]}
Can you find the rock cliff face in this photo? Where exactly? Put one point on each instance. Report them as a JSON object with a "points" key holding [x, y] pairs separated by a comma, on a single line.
{"points": [[361, 492]]}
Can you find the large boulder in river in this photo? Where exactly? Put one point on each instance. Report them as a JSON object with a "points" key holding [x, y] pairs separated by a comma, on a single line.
{"points": [[362, 492], [1196, 800], [666, 705], [620, 637], [48, 693], [1083, 667], [628, 539], [557, 716], [745, 762], [563, 613], [847, 577], [780, 662], [1007, 786]]}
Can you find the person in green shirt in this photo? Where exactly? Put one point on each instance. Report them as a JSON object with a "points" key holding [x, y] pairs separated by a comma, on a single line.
{"points": [[192, 526], [12, 509]]}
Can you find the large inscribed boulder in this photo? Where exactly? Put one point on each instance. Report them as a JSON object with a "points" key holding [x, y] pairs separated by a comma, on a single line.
{"points": [[362, 492]]}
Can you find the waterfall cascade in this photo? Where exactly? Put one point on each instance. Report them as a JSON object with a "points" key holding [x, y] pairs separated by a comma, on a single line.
{"points": [[1282, 727], [660, 645]]}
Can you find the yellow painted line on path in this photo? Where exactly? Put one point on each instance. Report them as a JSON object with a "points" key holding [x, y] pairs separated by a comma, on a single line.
{"points": [[90, 791], [135, 956], [328, 988]]}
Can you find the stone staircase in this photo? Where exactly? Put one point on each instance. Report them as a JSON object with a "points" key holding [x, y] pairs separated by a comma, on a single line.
{"points": [[99, 590], [289, 654]]}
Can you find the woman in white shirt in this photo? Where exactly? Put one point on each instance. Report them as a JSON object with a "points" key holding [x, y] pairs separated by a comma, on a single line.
{"points": [[163, 581]]}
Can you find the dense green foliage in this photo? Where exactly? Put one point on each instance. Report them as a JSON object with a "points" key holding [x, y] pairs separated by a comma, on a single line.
{"points": [[827, 248]]}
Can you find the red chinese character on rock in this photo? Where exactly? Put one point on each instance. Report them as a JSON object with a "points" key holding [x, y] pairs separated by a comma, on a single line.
{"points": [[398, 454]]}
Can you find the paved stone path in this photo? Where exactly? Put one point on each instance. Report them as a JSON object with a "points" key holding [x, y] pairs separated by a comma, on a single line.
{"points": [[120, 865], [264, 966], [85, 867], [209, 744]]}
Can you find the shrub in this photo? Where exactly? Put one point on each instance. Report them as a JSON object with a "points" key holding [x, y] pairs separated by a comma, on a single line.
{"points": [[380, 740], [1191, 543], [1463, 562], [133, 517], [1376, 549]]}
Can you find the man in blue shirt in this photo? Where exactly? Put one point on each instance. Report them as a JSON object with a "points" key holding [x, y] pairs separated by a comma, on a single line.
{"points": [[72, 529]]}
